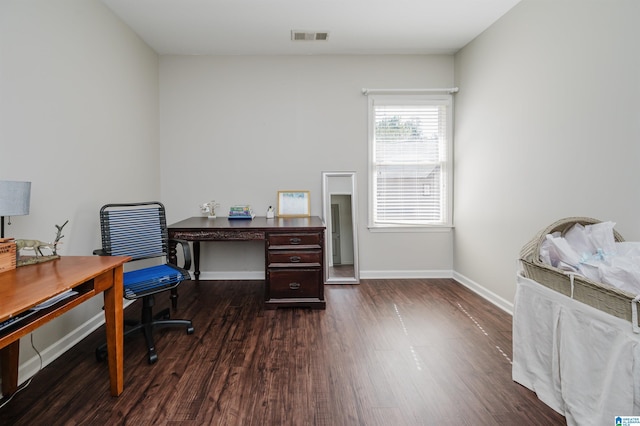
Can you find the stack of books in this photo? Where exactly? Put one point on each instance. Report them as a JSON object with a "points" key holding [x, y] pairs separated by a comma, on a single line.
{"points": [[241, 212]]}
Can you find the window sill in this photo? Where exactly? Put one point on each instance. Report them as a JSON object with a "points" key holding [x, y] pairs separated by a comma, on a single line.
{"points": [[399, 229]]}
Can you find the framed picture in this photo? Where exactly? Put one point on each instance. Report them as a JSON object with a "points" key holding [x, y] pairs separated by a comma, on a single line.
{"points": [[294, 204]]}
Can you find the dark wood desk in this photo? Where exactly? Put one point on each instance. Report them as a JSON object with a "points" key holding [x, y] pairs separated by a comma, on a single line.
{"points": [[23, 288], [294, 253]]}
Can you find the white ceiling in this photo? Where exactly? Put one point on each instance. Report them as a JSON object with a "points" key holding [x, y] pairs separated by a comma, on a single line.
{"points": [[263, 27]]}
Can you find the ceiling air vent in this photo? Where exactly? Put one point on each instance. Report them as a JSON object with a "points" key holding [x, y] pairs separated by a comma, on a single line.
{"points": [[309, 36]]}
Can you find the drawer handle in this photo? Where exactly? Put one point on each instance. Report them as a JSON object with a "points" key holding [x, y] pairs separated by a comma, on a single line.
{"points": [[295, 240], [294, 286], [295, 259]]}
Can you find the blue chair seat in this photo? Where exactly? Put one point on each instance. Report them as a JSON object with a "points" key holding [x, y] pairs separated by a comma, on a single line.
{"points": [[151, 280]]}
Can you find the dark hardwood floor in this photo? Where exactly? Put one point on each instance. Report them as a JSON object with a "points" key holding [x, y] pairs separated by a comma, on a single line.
{"points": [[385, 352]]}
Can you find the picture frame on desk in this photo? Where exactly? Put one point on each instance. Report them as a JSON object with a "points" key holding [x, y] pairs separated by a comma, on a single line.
{"points": [[294, 204]]}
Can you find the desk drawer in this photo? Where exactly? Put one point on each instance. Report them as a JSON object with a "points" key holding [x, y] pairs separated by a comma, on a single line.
{"points": [[294, 283], [295, 239], [294, 258]]}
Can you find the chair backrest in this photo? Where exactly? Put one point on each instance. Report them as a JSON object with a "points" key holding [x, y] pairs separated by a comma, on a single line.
{"points": [[138, 230]]}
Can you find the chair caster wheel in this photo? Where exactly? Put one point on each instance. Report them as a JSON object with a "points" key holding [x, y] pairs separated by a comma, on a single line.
{"points": [[153, 357], [190, 330]]}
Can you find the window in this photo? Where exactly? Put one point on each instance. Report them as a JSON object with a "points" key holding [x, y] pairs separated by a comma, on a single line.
{"points": [[410, 161]]}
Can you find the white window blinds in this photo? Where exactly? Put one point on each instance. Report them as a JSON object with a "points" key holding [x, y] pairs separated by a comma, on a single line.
{"points": [[409, 149]]}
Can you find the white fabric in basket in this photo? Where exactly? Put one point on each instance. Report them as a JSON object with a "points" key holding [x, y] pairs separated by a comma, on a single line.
{"points": [[592, 251]]}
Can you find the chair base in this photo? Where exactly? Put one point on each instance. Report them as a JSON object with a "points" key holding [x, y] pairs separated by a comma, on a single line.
{"points": [[147, 324]]}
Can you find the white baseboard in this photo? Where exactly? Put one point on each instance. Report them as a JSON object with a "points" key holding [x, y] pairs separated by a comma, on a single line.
{"points": [[483, 292]]}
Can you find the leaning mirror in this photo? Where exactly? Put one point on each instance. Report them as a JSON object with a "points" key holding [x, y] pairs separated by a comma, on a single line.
{"points": [[340, 214]]}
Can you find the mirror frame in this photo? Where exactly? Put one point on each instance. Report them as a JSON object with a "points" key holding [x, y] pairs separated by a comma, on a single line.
{"points": [[326, 211]]}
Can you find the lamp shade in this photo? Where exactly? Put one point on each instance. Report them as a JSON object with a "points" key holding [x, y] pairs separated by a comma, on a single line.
{"points": [[14, 198]]}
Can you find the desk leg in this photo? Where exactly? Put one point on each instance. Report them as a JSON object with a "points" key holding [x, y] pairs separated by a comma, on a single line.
{"points": [[196, 260], [9, 356], [113, 313]]}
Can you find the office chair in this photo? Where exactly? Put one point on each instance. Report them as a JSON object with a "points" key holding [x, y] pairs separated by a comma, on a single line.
{"points": [[139, 230]]}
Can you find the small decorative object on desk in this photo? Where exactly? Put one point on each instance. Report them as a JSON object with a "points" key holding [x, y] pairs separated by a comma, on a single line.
{"points": [[209, 209], [241, 212], [37, 246], [270, 213]]}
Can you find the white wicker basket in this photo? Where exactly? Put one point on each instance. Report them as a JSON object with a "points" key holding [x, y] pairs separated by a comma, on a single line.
{"points": [[604, 297]]}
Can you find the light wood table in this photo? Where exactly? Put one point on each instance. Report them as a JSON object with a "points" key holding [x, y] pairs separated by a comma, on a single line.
{"points": [[25, 287]]}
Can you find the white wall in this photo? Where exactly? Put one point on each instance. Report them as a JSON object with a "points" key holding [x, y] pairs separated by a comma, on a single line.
{"points": [[78, 118], [547, 126], [83, 98], [237, 129]]}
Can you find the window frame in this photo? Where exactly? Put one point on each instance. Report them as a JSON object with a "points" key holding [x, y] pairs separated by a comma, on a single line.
{"points": [[447, 165]]}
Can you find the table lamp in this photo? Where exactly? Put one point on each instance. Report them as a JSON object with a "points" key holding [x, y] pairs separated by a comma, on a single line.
{"points": [[14, 200]]}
